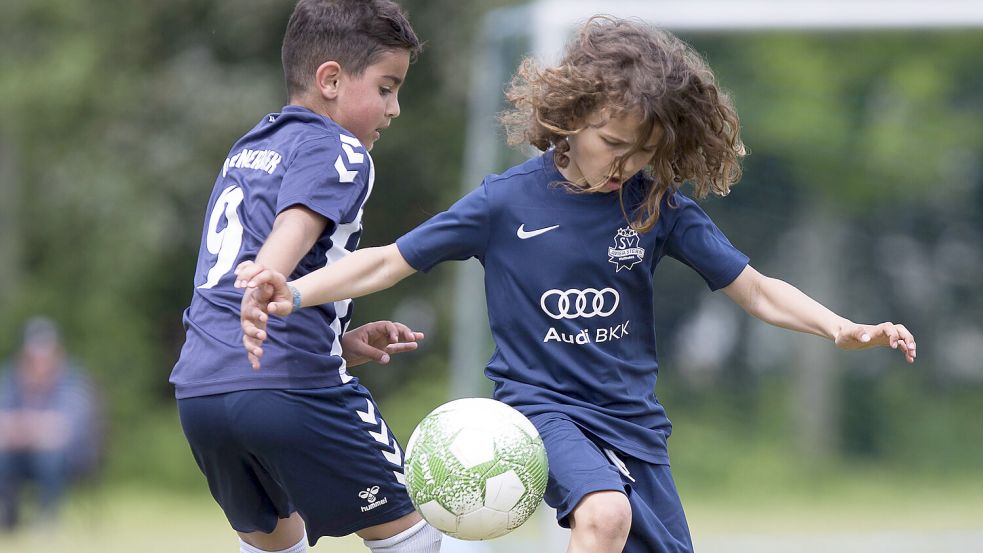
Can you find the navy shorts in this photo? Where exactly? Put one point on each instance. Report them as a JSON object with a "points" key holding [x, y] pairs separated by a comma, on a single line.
{"points": [[325, 453], [581, 464]]}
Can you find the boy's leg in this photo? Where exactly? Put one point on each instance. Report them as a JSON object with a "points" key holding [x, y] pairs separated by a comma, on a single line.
{"points": [[389, 529], [325, 454], [287, 534], [408, 534], [254, 504], [333, 454], [586, 490], [363, 464], [658, 520], [600, 522]]}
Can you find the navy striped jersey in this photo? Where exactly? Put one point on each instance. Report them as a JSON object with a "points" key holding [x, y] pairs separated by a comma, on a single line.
{"points": [[570, 294], [292, 158]]}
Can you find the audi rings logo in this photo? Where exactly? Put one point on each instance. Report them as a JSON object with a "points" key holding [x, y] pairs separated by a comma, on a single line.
{"points": [[573, 303]]}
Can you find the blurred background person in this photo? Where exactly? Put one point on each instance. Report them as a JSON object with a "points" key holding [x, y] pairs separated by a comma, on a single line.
{"points": [[47, 424]]}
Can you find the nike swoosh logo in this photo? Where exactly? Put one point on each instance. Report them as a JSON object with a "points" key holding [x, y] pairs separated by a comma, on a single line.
{"points": [[524, 234]]}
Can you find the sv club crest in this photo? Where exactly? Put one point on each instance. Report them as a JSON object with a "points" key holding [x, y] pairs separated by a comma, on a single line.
{"points": [[626, 251]]}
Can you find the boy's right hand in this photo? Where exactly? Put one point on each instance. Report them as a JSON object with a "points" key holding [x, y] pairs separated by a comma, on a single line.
{"points": [[266, 292]]}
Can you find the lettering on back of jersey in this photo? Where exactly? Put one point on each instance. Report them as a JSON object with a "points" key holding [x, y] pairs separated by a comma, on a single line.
{"points": [[259, 160]]}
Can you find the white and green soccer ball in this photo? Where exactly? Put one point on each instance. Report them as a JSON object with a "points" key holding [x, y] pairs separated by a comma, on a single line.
{"points": [[475, 468]]}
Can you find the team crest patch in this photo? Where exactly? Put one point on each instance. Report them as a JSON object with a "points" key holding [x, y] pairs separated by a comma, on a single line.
{"points": [[626, 251]]}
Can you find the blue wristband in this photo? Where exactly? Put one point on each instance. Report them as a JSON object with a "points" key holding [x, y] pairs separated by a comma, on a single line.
{"points": [[296, 293]]}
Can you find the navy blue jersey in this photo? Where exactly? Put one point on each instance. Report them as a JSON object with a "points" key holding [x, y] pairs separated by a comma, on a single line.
{"points": [[570, 294], [292, 158]]}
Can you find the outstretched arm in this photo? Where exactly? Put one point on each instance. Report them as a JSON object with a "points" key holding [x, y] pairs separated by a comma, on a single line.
{"points": [[355, 275], [781, 304]]}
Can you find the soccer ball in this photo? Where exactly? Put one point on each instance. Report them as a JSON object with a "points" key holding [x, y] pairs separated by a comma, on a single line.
{"points": [[475, 468]]}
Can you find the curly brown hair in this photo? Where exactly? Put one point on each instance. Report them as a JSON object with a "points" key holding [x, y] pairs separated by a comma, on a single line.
{"points": [[619, 67]]}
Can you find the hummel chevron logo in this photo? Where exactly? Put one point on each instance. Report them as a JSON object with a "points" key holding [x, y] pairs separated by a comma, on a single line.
{"points": [[382, 436], [348, 144], [524, 234], [344, 175]]}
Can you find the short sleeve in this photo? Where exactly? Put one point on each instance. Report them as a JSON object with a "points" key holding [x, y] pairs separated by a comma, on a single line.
{"points": [[459, 233], [696, 241], [330, 176]]}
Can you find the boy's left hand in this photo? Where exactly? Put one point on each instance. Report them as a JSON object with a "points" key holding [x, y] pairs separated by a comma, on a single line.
{"points": [[857, 336], [377, 341]]}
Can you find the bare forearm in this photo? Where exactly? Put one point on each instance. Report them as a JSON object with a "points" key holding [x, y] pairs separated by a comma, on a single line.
{"points": [[779, 303], [361, 273]]}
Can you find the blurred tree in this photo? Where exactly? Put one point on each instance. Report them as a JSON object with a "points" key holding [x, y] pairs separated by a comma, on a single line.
{"points": [[856, 125]]}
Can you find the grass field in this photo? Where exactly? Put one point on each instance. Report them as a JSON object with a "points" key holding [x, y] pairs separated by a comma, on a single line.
{"points": [[872, 519]]}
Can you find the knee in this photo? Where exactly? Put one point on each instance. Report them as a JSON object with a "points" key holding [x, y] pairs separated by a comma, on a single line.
{"points": [[605, 515]]}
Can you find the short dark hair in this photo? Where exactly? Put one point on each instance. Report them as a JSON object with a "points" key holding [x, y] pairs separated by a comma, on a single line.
{"points": [[352, 32]]}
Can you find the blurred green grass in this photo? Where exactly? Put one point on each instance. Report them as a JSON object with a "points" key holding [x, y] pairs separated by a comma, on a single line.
{"points": [[148, 520], [152, 520]]}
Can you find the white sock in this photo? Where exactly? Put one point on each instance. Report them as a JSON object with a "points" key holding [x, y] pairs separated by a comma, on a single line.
{"points": [[420, 538], [299, 547]]}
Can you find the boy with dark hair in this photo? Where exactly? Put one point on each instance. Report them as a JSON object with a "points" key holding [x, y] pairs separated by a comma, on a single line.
{"points": [[297, 445]]}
